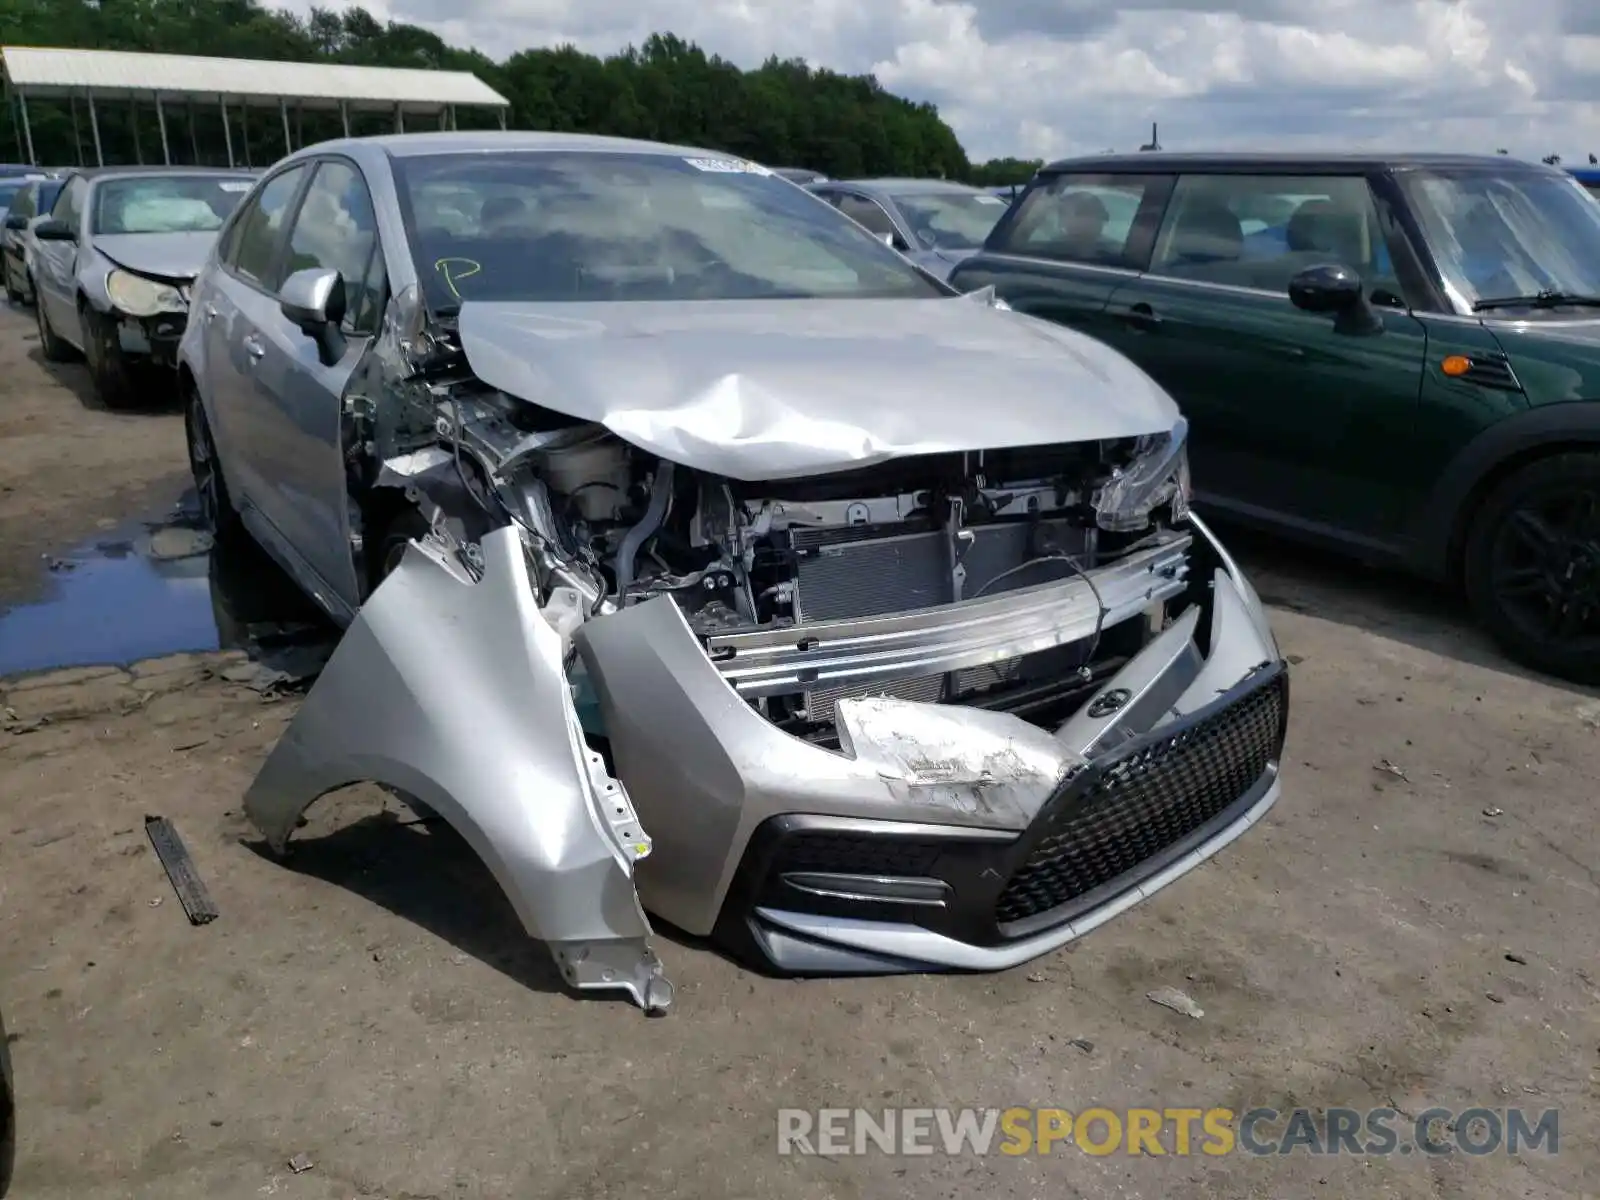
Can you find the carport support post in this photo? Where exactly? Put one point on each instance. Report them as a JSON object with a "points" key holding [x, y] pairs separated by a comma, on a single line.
{"points": [[161, 120], [344, 115], [399, 119], [77, 134], [244, 129], [133, 120], [502, 113], [283, 111], [94, 124], [27, 130], [226, 131]]}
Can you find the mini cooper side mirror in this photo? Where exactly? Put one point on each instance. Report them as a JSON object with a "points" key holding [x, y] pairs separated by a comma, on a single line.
{"points": [[1336, 290], [313, 301], [18, 222]]}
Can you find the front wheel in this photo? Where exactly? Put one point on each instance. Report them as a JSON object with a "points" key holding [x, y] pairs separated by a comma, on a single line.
{"points": [[108, 365], [1532, 565]]}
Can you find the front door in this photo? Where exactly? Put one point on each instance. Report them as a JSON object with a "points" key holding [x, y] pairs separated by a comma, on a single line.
{"points": [[1290, 420], [56, 263], [301, 397], [1068, 244]]}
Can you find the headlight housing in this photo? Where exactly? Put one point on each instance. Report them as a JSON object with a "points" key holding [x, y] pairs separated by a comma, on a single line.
{"points": [[1158, 474], [141, 297]]}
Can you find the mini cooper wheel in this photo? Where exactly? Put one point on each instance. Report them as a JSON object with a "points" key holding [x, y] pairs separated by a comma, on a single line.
{"points": [[211, 490], [1532, 565], [54, 349], [109, 366]]}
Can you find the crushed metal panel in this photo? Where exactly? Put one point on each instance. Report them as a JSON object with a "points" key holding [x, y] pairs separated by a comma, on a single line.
{"points": [[452, 691]]}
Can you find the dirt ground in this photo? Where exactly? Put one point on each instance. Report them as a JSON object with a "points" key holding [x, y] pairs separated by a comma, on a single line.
{"points": [[1412, 926]]}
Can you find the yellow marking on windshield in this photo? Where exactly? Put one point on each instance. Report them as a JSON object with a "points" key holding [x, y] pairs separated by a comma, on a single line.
{"points": [[456, 268]]}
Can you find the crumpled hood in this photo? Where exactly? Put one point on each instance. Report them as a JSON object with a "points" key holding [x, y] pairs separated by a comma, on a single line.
{"points": [[163, 255], [773, 389]]}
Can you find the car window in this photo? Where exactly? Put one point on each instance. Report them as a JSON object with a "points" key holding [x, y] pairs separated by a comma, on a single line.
{"points": [[8, 192], [1079, 218], [572, 227], [166, 203], [1259, 231], [256, 244], [69, 204], [1503, 234], [21, 204], [950, 220], [867, 213], [336, 230]]}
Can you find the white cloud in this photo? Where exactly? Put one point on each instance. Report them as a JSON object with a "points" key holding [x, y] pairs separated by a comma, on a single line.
{"points": [[1055, 77]]}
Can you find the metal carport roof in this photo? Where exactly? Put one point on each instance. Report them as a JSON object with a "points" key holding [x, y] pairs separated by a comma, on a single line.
{"points": [[34, 71]]}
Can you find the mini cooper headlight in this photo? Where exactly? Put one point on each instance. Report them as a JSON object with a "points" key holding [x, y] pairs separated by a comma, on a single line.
{"points": [[141, 297]]}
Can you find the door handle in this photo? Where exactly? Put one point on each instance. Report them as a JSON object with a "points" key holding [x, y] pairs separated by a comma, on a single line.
{"points": [[211, 312], [1141, 317], [253, 347]]}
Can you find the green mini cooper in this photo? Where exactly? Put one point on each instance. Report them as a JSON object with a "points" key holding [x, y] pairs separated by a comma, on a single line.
{"points": [[1395, 356]]}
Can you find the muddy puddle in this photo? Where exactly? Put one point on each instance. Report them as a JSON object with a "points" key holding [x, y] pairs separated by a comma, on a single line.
{"points": [[155, 587]]}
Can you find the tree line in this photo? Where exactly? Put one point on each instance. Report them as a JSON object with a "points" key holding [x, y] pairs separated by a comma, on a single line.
{"points": [[783, 113]]}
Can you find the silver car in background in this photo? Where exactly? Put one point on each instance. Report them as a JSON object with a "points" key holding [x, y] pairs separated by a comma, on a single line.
{"points": [[29, 205], [680, 572], [934, 222], [114, 261]]}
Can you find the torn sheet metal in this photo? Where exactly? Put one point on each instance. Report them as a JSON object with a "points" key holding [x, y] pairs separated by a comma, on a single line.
{"points": [[452, 693], [775, 389]]}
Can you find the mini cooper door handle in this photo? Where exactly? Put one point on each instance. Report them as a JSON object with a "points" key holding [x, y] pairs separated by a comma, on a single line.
{"points": [[211, 312], [253, 347], [1140, 316]]}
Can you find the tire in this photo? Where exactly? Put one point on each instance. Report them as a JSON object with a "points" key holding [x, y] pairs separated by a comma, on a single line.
{"points": [[8, 1114], [217, 510], [1531, 568], [54, 349], [402, 529], [113, 374], [13, 294]]}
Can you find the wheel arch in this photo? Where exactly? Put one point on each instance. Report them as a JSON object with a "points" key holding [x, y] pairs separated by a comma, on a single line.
{"points": [[1439, 534]]}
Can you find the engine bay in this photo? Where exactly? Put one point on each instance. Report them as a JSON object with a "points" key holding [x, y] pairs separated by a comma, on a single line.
{"points": [[607, 526]]}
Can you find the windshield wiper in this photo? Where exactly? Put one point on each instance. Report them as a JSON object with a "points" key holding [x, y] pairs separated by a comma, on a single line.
{"points": [[1545, 299]]}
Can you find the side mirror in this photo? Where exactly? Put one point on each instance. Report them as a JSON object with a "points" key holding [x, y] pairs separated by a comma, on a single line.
{"points": [[17, 222], [52, 230], [888, 239], [1335, 290], [313, 301]]}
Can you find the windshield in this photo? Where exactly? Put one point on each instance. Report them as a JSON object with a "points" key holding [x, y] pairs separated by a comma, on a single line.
{"points": [[167, 203], [950, 220], [569, 227], [1496, 236]]}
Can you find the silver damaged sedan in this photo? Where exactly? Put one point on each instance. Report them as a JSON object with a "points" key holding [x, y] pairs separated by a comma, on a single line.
{"points": [[701, 556]]}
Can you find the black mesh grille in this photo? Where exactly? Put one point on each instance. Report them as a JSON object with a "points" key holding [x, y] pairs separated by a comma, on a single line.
{"points": [[1138, 806], [857, 854]]}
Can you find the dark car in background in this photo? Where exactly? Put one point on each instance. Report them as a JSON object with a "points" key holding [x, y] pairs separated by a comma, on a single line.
{"points": [[114, 261], [30, 205], [935, 222], [1398, 356], [801, 175], [1588, 176]]}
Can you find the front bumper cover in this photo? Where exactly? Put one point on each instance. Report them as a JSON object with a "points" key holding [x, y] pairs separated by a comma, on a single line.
{"points": [[936, 837]]}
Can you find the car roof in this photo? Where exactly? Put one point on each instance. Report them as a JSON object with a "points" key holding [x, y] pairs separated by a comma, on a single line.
{"points": [[1224, 162], [907, 186], [410, 145]]}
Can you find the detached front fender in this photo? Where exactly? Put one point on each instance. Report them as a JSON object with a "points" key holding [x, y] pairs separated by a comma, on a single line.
{"points": [[451, 691]]}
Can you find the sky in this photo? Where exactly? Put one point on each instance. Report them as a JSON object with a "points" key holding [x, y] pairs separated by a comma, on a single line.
{"points": [[1049, 78]]}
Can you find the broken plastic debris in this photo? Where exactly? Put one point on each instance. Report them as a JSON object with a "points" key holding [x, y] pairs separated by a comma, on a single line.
{"points": [[300, 1164], [1178, 1002]]}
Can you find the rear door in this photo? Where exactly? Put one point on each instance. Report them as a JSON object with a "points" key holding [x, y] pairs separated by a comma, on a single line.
{"points": [[1291, 421], [301, 399], [242, 299], [1071, 241]]}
